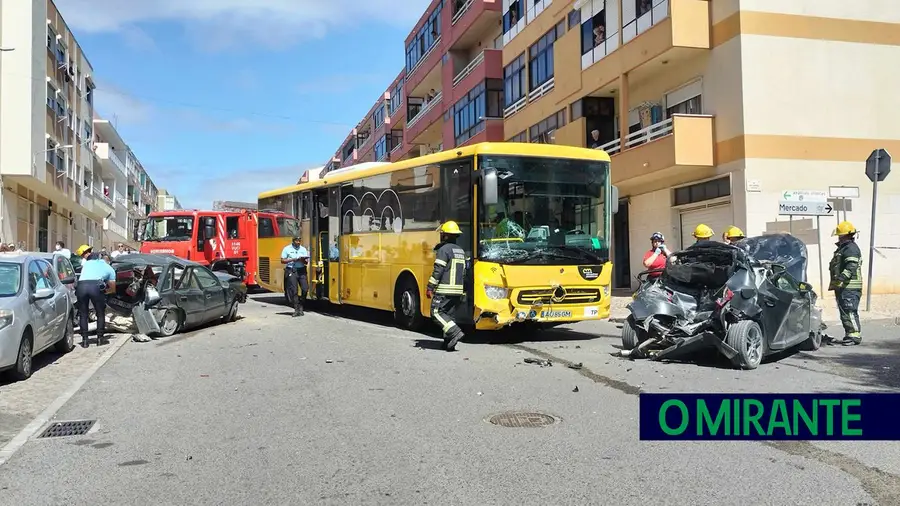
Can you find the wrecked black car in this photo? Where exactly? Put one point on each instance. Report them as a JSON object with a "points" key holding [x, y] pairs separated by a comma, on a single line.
{"points": [[165, 294], [748, 301]]}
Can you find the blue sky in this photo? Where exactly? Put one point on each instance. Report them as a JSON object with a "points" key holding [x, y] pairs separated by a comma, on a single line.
{"points": [[222, 99]]}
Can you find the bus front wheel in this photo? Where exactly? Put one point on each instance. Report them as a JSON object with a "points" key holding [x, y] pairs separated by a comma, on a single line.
{"points": [[407, 305]]}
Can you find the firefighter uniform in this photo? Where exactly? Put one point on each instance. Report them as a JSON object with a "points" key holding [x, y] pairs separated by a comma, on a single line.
{"points": [[446, 284], [846, 280]]}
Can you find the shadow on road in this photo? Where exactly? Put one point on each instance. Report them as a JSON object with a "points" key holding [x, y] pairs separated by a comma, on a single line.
{"points": [[874, 364], [512, 335], [46, 359]]}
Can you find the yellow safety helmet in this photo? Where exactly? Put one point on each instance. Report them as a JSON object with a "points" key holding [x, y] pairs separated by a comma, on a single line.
{"points": [[734, 233], [450, 227], [844, 228], [703, 232], [84, 248]]}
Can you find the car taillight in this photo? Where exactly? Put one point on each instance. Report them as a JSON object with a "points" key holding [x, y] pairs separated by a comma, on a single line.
{"points": [[727, 296]]}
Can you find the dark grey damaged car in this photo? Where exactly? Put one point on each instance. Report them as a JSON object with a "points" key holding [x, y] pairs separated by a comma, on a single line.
{"points": [[165, 294], [747, 301]]}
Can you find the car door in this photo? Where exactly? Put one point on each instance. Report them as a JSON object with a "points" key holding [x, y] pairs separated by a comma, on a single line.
{"points": [[43, 311], [65, 270], [796, 323], [189, 297], [60, 299], [776, 303], [213, 294]]}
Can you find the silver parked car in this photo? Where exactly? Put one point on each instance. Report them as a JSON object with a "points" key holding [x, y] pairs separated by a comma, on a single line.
{"points": [[36, 311]]}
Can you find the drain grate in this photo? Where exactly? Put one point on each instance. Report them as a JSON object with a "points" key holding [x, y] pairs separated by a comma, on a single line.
{"points": [[70, 428], [521, 419]]}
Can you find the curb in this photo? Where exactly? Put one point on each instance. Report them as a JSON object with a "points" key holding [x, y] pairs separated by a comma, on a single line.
{"points": [[22, 437]]}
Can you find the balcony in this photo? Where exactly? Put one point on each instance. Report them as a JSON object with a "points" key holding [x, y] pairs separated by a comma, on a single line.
{"points": [[424, 66], [669, 32], [104, 202], [106, 154], [116, 229], [673, 151], [471, 21], [424, 110], [121, 200]]}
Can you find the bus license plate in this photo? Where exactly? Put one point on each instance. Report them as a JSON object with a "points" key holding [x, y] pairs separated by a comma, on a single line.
{"points": [[556, 314]]}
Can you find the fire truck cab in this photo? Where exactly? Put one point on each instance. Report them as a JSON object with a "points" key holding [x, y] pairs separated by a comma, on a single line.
{"points": [[222, 240]]}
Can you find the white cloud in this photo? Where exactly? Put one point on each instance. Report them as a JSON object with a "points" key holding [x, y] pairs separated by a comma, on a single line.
{"points": [[228, 23], [113, 103]]}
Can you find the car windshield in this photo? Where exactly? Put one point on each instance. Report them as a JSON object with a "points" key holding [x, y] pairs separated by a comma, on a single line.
{"points": [[288, 227], [169, 228], [10, 279], [550, 211]]}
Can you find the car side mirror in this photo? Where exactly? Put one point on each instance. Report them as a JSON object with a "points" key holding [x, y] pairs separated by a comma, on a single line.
{"points": [[805, 287], [209, 232], [42, 294], [614, 199], [68, 281], [489, 190]]}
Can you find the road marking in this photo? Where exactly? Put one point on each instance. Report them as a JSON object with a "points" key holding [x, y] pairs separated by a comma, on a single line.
{"points": [[22, 437]]}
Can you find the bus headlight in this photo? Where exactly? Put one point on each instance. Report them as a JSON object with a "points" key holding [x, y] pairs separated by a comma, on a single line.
{"points": [[606, 290], [496, 292]]}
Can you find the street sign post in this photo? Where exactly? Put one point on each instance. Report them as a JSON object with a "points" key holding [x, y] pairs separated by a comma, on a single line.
{"points": [[806, 203], [804, 196], [842, 193], [878, 166]]}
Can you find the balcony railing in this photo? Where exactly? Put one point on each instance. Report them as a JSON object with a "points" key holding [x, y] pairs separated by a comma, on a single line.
{"points": [[469, 68], [118, 162], [542, 90], [461, 11], [424, 110], [120, 199], [98, 192], [116, 228], [515, 107], [642, 136]]}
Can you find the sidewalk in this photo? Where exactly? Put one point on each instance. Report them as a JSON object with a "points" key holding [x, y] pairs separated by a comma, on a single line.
{"points": [[884, 306]]}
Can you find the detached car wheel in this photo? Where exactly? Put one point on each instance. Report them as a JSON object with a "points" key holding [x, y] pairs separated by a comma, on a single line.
{"points": [[747, 338]]}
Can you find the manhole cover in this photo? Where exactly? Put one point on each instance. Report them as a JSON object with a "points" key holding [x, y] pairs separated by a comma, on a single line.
{"points": [[522, 419], [70, 428]]}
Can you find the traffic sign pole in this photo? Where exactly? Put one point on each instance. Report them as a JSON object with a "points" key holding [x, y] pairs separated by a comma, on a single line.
{"points": [[872, 231]]}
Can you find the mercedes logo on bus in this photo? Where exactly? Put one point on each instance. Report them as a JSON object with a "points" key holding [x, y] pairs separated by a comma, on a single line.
{"points": [[559, 294]]}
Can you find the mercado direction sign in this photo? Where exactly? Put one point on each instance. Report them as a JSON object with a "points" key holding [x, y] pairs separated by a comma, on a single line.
{"points": [[804, 208]]}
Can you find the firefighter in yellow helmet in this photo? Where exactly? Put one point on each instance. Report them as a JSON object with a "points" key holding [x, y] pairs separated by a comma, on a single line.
{"points": [[702, 234], [846, 280], [446, 284], [733, 235]]}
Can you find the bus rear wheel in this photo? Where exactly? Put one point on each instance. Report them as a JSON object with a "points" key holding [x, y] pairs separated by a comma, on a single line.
{"points": [[407, 305]]}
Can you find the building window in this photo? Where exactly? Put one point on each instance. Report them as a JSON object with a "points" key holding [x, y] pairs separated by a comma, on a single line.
{"points": [[396, 139], [61, 54], [520, 137], [514, 81], [599, 30], [593, 32], [540, 62], [469, 114], [639, 15], [396, 98], [574, 18], [381, 150], [51, 97], [424, 39], [690, 106], [708, 190], [542, 133], [89, 94], [60, 161], [378, 115], [513, 15], [61, 107], [51, 38]]}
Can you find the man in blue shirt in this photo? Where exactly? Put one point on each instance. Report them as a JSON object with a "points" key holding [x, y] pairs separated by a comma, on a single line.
{"points": [[295, 258], [96, 280]]}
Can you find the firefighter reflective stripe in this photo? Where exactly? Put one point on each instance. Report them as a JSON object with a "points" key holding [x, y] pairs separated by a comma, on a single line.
{"points": [[445, 324], [432, 281], [440, 262], [449, 271]]}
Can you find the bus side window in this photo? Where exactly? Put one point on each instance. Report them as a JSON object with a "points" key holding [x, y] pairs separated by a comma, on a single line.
{"points": [[456, 201], [266, 229], [306, 205]]}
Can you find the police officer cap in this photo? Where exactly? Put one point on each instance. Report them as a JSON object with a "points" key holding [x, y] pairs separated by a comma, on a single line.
{"points": [[296, 238]]}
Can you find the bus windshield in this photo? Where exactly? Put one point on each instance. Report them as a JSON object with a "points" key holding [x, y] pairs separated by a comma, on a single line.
{"points": [[169, 228], [550, 211]]}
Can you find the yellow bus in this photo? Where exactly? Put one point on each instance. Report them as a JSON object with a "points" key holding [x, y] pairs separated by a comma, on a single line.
{"points": [[535, 220]]}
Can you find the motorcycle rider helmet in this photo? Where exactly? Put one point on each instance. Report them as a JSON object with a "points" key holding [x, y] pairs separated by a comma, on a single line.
{"points": [[657, 236]]}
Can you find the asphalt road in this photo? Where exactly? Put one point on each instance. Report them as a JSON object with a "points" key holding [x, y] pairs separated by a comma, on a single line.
{"points": [[331, 410]]}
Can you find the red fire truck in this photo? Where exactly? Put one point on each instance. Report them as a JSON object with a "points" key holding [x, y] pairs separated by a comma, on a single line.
{"points": [[222, 240]]}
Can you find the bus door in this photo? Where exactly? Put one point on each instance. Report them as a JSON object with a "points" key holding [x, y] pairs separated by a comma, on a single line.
{"points": [[331, 246], [320, 225]]}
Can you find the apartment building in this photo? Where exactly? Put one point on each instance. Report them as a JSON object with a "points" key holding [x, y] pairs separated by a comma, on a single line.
{"points": [[165, 201], [448, 94], [46, 112], [713, 109], [66, 175], [126, 191]]}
